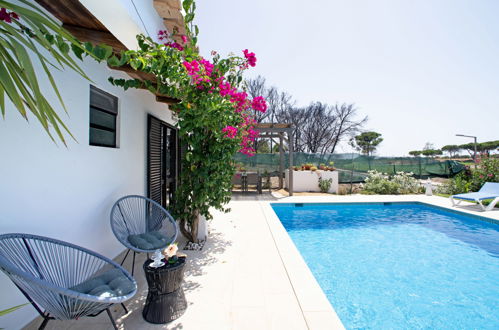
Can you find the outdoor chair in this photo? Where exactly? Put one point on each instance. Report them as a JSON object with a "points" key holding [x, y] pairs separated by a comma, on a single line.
{"points": [[64, 281], [254, 179], [142, 225], [489, 190], [237, 180]]}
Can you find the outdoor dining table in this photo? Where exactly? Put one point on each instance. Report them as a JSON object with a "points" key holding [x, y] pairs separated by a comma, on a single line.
{"points": [[165, 299]]}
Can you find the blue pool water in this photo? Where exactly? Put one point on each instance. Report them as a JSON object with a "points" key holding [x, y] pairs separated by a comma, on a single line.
{"points": [[401, 265]]}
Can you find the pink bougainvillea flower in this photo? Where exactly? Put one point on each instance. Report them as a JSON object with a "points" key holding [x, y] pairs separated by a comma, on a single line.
{"points": [[6, 16], [225, 88], [252, 134], [208, 67], [230, 131], [259, 104], [175, 45], [191, 67], [184, 39], [250, 57]]}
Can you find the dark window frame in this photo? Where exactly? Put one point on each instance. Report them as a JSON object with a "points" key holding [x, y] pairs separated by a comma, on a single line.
{"points": [[113, 110]]}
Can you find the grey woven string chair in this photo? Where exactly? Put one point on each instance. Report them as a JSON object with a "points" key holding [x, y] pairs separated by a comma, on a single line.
{"points": [[64, 281], [142, 225]]}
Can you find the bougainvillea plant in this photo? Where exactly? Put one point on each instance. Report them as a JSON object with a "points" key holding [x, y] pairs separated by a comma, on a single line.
{"points": [[214, 114]]}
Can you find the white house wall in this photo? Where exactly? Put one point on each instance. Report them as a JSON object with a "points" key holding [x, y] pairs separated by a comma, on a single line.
{"points": [[67, 193], [127, 18]]}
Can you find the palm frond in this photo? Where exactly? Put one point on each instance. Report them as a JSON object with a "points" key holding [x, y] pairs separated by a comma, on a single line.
{"points": [[35, 33]]}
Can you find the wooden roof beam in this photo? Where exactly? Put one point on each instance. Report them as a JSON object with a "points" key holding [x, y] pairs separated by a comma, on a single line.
{"points": [[134, 73], [95, 37]]}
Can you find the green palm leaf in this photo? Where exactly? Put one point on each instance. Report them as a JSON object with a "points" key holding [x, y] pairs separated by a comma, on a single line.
{"points": [[10, 310], [36, 36]]}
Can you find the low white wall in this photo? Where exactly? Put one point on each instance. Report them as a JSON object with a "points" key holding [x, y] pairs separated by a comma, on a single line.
{"points": [[67, 192], [304, 181]]}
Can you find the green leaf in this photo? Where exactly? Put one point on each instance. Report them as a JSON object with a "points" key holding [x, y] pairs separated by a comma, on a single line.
{"points": [[10, 310], [77, 50], [135, 63], [50, 38], [189, 18], [102, 52], [113, 61], [64, 47], [2, 101], [88, 46], [10, 89], [187, 5]]}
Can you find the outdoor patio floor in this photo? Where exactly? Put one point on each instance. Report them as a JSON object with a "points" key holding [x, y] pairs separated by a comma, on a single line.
{"points": [[244, 278]]}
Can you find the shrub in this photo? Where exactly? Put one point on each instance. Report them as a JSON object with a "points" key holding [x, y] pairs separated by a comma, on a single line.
{"points": [[472, 179], [400, 183], [325, 184]]}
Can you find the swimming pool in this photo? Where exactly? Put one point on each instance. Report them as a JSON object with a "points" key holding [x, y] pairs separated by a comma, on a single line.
{"points": [[399, 265]]}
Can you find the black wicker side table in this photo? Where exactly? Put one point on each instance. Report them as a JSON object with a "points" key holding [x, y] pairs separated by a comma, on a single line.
{"points": [[165, 299]]}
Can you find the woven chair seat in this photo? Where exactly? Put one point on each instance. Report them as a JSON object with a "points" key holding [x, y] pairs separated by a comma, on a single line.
{"points": [[149, 241], [112, 283]]}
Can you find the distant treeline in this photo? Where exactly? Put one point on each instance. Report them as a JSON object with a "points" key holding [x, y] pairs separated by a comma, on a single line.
{"points": [[453, 150]]}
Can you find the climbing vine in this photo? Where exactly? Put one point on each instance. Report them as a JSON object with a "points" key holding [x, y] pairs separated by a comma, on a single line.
{"points": [[213, 114]]}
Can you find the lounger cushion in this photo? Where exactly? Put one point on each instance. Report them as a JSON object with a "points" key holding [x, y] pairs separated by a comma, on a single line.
{"points": [[112, 283], [148, 241], [475, 196]]}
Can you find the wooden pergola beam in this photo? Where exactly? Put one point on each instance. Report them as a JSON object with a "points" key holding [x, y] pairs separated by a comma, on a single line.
{"points": [[134, 73], [95, 37], [84, 26], [166, 99]]}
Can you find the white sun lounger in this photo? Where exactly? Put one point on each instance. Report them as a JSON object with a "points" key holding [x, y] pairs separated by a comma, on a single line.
{"points": [[490, 190]]}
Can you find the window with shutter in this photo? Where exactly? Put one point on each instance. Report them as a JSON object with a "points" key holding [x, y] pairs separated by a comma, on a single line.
{"points": [[103, 118]]}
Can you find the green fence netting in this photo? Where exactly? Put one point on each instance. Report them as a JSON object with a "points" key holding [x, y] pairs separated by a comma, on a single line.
{"points": [[353, 167]]}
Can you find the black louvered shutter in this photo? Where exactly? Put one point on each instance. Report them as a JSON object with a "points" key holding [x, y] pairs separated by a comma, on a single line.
{"points": [[155, 166]]}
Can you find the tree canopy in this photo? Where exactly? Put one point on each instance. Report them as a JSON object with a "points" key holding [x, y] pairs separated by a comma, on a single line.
{"points": [[367, 142]]}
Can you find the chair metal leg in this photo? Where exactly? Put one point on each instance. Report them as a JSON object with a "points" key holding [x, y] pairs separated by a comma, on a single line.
{"points": [[46, 320], [124, 307], [133, 263], [126, 255], [111, 318]]}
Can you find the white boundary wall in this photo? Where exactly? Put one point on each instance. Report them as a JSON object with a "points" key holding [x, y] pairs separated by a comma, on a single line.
{"points": [[304, 181]]}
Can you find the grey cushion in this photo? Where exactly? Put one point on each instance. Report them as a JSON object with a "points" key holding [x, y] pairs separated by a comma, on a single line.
{"points": [[148, 241], [112, 283]]}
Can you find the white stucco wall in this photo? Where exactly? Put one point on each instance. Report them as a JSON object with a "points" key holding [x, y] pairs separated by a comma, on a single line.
{"points": [[127, 18], [305, 181], [67, 193]]}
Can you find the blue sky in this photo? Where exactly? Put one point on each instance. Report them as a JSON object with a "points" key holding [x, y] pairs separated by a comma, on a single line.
{"points": [[421, 70]]}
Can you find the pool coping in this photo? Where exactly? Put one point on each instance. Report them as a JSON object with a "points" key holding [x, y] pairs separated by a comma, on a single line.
{"points": [[316, 308]]}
